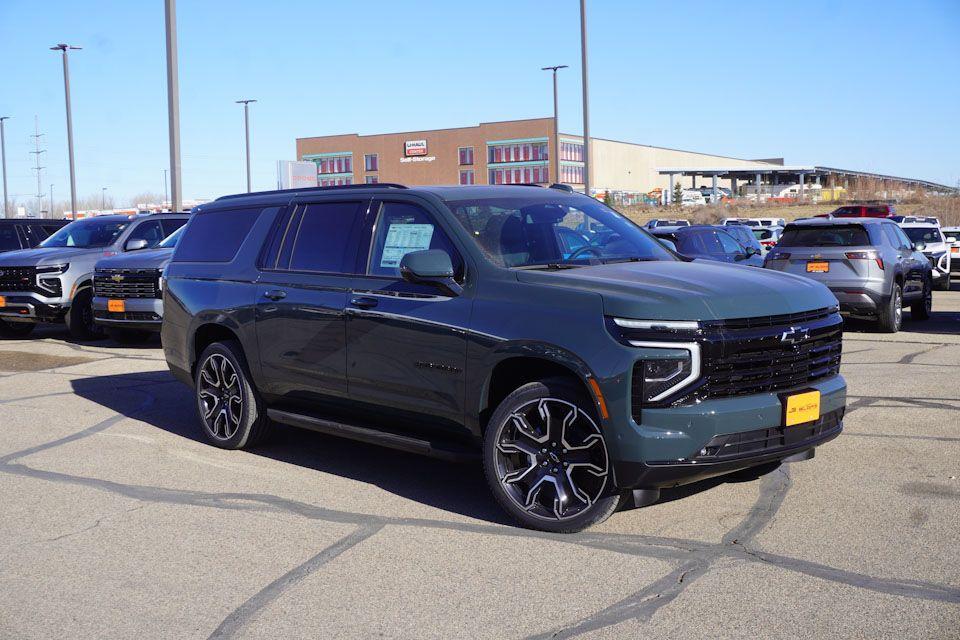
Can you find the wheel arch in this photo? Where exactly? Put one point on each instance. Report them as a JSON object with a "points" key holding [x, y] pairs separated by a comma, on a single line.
{"points": [[514, 367], [205, 335]]}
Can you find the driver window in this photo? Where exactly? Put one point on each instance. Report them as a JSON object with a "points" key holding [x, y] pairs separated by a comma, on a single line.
{"points": [[728, 243], [150, 231], [402, 228]]}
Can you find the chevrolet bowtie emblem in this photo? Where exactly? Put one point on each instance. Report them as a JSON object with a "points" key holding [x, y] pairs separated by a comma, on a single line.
{"points": [[117, 278], [794, 335]]}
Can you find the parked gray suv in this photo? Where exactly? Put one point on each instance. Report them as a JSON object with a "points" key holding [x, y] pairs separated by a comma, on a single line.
{"points": [[54, 281], [128, 291], [869, 264]]}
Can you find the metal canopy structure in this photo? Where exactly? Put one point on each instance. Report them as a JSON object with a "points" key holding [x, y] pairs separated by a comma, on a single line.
{"points": [[802, 175]]}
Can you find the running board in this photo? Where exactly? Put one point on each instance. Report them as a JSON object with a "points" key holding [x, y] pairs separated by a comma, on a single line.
{"points": [[374, 436]]}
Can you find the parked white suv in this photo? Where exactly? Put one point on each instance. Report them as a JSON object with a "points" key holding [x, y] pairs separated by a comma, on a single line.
{"points": [[952, 235], [931, 241]]}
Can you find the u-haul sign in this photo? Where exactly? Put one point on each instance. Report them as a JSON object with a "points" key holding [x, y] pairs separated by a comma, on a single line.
{"points": [[415, 148]]}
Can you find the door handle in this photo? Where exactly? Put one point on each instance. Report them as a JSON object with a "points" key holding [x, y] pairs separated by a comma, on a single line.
{"points": [[275, 294], [364, 302]]}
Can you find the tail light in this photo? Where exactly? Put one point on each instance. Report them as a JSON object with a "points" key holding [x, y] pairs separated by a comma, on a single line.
{"points": [[865, 255]]}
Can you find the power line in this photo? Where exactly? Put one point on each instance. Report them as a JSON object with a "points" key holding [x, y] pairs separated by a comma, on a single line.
{"points": [[36, 152]]}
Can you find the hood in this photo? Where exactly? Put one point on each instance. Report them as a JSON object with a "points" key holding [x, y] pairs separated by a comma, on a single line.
{"points": [[45, 255], [145, 259], [700, 290]]}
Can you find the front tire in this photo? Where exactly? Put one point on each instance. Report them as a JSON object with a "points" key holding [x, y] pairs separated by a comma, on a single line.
{"points": [[79, 317], [944, 284], [546, 461], [230, 409], [891, 316], [16, 330], [922, 308]]}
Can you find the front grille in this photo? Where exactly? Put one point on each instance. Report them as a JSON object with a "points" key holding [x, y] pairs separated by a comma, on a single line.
{"points": [[127, 283], [787, 319], [18, 278], [761, 441]]}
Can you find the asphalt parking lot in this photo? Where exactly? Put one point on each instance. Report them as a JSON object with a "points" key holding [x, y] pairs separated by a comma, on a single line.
{"points": [[119, 522]]}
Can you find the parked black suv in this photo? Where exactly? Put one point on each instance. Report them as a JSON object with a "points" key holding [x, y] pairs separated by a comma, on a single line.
{"points": [[453, 321], [26, 233]]}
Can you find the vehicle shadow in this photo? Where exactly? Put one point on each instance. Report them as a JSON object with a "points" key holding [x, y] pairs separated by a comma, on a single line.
{"points": [[454, 487], [941, 322], [59, 332]]}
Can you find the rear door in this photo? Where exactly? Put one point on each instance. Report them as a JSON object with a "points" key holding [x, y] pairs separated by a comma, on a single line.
{"points": [[406, 342], [306, 273]]}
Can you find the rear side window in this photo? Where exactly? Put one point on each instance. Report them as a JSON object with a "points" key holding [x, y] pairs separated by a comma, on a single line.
{"points": [[825, 236], [215, 236], [321, 242]]}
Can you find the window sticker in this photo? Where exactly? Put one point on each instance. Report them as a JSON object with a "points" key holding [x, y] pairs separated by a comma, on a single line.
{"points": [[403, 239]]}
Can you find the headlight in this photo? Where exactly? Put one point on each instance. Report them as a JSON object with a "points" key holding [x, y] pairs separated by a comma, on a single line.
{"points": [[53, 268], [667, 367]]}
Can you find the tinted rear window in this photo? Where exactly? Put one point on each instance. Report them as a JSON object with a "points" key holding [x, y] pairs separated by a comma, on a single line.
{"points": [[321, 241], [825, 236], [215, 236]]}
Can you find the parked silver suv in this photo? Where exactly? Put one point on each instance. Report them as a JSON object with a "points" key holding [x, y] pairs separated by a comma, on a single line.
{"points": [[54, 281], [869, 264]]}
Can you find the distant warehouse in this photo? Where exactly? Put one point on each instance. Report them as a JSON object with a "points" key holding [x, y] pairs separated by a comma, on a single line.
{"points": [[525, 151]]}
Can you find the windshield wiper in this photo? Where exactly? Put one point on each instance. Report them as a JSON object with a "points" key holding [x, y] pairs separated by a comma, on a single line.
{"points": [[551, 265], [632, 259]]}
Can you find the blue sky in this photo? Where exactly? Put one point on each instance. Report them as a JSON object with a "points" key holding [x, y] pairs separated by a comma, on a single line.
{"points": [[864, 85]]}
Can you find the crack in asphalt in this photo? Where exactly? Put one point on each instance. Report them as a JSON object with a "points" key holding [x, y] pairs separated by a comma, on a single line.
{"points": [[696, 558], [246, 612]]}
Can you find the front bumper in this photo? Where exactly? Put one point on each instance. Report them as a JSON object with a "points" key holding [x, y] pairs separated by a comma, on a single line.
{"points": [[140, 313], [665, 450], [27, 307]]}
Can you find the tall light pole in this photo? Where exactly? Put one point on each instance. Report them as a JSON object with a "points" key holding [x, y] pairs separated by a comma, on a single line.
{"points": [[63, 48], [556, 120], [246, 128], [51, 200], [173, 105], [3, 154], [164, 189], [586, 98]]}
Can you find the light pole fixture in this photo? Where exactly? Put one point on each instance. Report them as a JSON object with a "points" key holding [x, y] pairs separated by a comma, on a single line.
{"points": [[63, 48], [173, 104], [556, 120], [3, 155], [586, 98], [246, 128]]}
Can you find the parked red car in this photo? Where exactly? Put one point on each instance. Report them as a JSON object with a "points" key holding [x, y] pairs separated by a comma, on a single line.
{"points": [[864, 211]]}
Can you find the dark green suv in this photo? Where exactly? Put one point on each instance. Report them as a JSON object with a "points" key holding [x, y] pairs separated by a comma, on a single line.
{"points": [[533, 327]]}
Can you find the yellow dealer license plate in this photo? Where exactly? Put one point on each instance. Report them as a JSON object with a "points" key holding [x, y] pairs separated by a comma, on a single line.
{"points": [[801, 408], [3, 302], [818, 267], [116, 306]]}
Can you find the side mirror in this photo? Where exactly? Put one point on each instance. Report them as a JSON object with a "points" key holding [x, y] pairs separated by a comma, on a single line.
{"points": [[752, 251], [668, 244], [135, 245], [919, 246], [431, 267], [951, 239]]}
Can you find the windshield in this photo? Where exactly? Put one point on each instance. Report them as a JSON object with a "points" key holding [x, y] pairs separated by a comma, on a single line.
{"points": [[557, 232], [171, 240], [825, 236], [927, 235], [87, 234]]}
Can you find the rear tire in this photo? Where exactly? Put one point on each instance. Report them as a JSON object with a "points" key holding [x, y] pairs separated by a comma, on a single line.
{"points": [[891, 316], [922, 308], [16, 330], [546, 460], [129, 336], [79, 317], [229, 407], [944, 284]]}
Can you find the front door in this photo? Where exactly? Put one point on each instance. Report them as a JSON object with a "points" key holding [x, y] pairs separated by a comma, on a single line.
{"points": [[301, 300], [406, 342]]}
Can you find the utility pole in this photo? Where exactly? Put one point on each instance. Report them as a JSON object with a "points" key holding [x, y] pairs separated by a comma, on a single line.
{"points": [[173, 104], [3, 154], [246, 128], [164, 189], [556, 120], [63, 48], [586, 98], [36, 152]]}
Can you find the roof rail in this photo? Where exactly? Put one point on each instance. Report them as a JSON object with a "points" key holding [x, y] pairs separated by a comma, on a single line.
{"points": [[344, 187]]}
